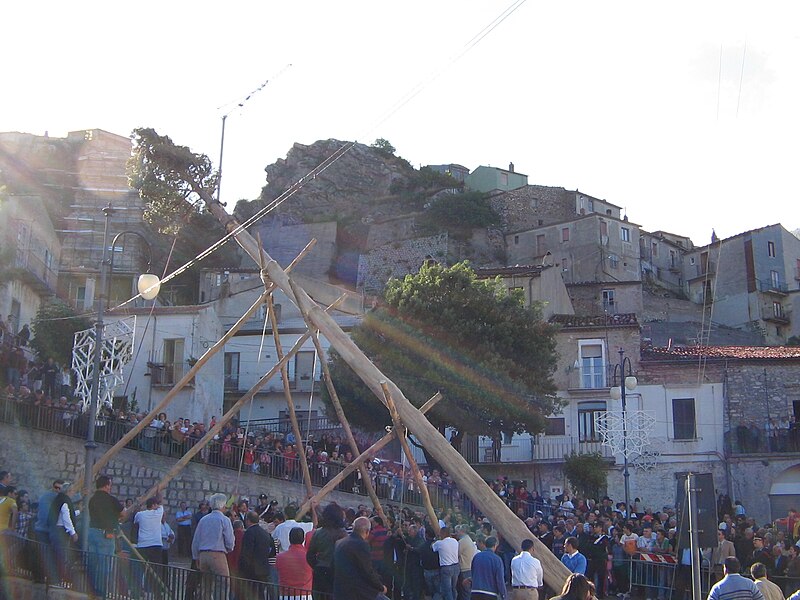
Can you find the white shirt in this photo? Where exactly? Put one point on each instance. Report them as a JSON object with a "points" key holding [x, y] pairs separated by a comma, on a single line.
{"points": [[64, 519], [281, 532], [448, 551], [526, 570], [149, 527]]}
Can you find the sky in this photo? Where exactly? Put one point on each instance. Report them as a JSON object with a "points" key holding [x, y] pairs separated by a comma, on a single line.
{"points": [[684, 113]]}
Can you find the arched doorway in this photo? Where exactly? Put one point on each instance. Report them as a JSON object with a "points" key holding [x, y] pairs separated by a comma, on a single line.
{"points": [[785, 492]]}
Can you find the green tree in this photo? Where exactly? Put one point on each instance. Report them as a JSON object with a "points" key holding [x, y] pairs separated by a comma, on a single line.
{"points": [[586, 473], [444, 330], [384, 147], [54, 329]]}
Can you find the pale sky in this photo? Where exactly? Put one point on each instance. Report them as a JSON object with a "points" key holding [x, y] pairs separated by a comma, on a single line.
{"points": [[685, 113]]}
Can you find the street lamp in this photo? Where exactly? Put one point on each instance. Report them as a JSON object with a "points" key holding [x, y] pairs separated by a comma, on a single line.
{"points": [[627, 383], [148, 287]]}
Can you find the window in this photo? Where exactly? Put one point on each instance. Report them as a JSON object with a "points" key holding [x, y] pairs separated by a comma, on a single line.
{"points": [[555, 426], [625, 234], [771, 249], [503, 178], [231, 372], [603, 228], [304, 362], [565, 264], [684, 426], [775, 279], [516, 239], [691, 260], [173, 361], [613, 261], [541, 222], [565, 234], [587, 412], [777, 309], [592, 365], [540, 251], [608, 301], [673, 259], [591, 205], [654, 250]]}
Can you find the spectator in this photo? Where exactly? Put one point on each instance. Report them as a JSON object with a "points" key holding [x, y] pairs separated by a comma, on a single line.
{"points": [[449, 568], [769, 590], [257, 548], [281, 532], [488, 579], [466, 552], [212, 540], [321, 547], [183, 518], [294, 572], [526, 574], [149, 544], [572, 559], [105, 512], [354, 576], [576, 587], [733, 585]]}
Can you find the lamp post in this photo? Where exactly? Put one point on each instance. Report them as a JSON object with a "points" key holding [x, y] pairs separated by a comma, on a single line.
{"points": [[627, 382], [148, 286]]}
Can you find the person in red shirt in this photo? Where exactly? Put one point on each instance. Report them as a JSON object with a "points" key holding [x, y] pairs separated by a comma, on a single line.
{"points": [[294, 573]]}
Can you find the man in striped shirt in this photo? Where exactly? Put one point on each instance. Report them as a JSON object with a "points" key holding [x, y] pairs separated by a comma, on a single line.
{"points": [[733, 586]]}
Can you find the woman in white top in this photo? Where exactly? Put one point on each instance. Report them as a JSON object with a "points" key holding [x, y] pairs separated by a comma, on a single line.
{"points": [[148, 524]]}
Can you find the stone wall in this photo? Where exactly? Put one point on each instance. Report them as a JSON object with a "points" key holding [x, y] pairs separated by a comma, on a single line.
{"points": [[398, 259], [36, 458], [533, 206]]}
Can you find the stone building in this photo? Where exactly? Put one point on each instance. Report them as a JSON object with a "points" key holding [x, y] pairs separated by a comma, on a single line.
{"points": [[29, 241], [751, 278], [662, 259]]}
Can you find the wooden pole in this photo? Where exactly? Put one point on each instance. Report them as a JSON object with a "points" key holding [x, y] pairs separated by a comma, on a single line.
{"points": [[491, 505], [112, 452], [287, 393], [234, 410], [401, 435], [337, 406], [366, 455]]}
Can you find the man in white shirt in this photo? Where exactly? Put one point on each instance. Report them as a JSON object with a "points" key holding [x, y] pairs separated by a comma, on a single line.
{"points": [[449, 569], [526, 574], [281, 532], [149, 542]]}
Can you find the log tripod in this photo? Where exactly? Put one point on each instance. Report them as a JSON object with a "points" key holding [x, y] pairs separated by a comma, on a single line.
{"points": [[404, 414]]}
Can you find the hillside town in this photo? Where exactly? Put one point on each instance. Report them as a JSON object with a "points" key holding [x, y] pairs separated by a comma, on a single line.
{"points": [[674, 355]]}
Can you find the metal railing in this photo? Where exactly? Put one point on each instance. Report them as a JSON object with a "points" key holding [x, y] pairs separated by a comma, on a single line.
{"points": [[523, 449], [29, 262], [744, 439], [123, 577], [768, 285]]}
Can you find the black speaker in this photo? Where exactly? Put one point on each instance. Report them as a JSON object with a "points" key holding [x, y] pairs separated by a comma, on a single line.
{"points": [[707, 521]]}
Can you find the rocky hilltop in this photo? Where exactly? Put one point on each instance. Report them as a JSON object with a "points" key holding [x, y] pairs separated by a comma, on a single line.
{"points": [[383, 216]]}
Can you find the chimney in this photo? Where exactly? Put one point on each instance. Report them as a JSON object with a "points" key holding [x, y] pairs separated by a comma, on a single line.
{"points": [[511, 167]]}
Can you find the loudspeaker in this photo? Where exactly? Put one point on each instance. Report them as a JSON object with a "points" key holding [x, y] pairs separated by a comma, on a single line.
{"points": [[707, 520]]}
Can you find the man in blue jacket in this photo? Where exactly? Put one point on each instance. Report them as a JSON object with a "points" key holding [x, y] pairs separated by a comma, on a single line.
{"points": [[488, 580], [572, 559]]}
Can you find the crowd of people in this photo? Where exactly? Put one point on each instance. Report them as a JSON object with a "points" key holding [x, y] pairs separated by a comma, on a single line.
{"points": [[357, 552]]}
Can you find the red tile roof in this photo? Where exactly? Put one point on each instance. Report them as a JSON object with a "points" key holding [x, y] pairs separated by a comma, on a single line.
{"points": [[621, 320], [723, 352]]}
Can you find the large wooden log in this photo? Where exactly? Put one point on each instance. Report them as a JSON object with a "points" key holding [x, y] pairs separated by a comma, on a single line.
{"points": [[234, 410], [207, 355], [337, 407], [506, 522], [367, 454]]}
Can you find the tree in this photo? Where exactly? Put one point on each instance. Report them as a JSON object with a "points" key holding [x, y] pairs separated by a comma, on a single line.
{"points": [[384, 147], [54, 329], [444, 330], [586, 473]]}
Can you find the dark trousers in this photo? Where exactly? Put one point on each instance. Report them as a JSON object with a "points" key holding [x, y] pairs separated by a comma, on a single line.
{"points": [[322, 582], [185, 540]]}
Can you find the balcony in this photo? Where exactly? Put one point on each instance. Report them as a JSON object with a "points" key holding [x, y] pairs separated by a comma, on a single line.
{"points": [[524, 449], [35, 272], [772, 287], [167, 374], [748, 439], [776, 313], [702, 270], [231, 382]]}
